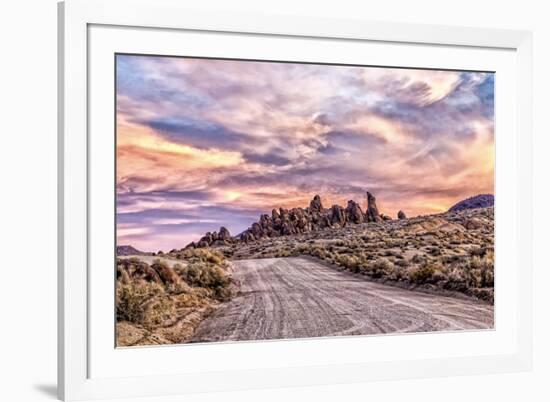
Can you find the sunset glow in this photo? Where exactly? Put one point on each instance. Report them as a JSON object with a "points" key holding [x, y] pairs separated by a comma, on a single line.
{"points": [[205, 143]]}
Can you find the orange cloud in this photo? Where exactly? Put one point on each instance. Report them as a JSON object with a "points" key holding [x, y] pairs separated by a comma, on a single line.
{"points": [[239, 138]]}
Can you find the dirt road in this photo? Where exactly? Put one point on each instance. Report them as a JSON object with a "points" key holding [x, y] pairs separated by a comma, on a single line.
{"points": [[298, 297]]}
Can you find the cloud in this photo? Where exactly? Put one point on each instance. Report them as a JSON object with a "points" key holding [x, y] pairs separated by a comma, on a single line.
{"points": [[414, 86], [201, 143], [267, 159], [198, 133]]}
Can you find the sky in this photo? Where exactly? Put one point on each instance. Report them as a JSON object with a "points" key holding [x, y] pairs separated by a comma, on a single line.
{"points": [[203, 143]]}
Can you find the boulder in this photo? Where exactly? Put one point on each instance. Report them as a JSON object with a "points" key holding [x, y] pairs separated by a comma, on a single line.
{"points": [[303, 224], [473, 223], [283, 213], [224, 234], [325, 222], [256, 230], [207, 238], [246, 236], [217, 243], [287, 228], [266, 222], [337, 216], [401, 215], [354, 213]]}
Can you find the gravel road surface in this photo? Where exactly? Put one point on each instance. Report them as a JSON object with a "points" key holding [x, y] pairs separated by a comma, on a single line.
{"points": [[298, 297]]}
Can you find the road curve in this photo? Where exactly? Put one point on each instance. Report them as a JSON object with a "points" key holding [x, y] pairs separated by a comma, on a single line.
{"points": [[298, 297]]}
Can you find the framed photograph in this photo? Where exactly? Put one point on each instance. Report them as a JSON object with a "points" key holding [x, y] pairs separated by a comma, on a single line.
{"points": [[252, 201]]}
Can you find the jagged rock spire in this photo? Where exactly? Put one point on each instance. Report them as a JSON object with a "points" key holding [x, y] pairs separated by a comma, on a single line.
{"points": [[354, 212], [372, 210], [316, 205], [286, 222]]}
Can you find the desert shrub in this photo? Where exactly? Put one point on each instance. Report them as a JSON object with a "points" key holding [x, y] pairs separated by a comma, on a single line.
{"points": [[439, 275], [378, 268], [418, 259], [166, 273], [451, 259], [142, 303], [391, 253], [487, 276], [395, 273], [209, 276], [401, 263], [302, 248], [477, 251], [484, 294], [317, 251], [178, 268], [351, 263], [483, 270], [178, 288], [422, 273], [136, 269], [122, 275], [204, 255], [456, 279]]}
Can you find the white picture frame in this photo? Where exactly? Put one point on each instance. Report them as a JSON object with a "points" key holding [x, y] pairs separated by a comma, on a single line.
{"points": [[76, 348]]}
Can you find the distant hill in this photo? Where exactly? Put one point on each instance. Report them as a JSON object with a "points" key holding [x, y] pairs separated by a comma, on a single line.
{"points": [[478, 201], [129, 250]]}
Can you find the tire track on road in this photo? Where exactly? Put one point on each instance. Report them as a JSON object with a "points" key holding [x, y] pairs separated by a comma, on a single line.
{"points": [[298, 297]]}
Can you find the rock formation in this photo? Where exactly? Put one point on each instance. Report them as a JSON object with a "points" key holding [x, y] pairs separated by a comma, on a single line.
{"points": [[224, 234], [401, 215], [372, 210], [221, 238], [337, 216], [354, 212], [315, 205], [286, 222]]}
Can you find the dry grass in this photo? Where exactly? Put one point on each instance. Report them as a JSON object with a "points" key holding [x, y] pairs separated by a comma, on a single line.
{"points": [[159, 304]]}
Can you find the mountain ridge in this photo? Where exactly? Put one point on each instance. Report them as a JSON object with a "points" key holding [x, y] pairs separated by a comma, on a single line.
{"points": [[476, 201]]}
